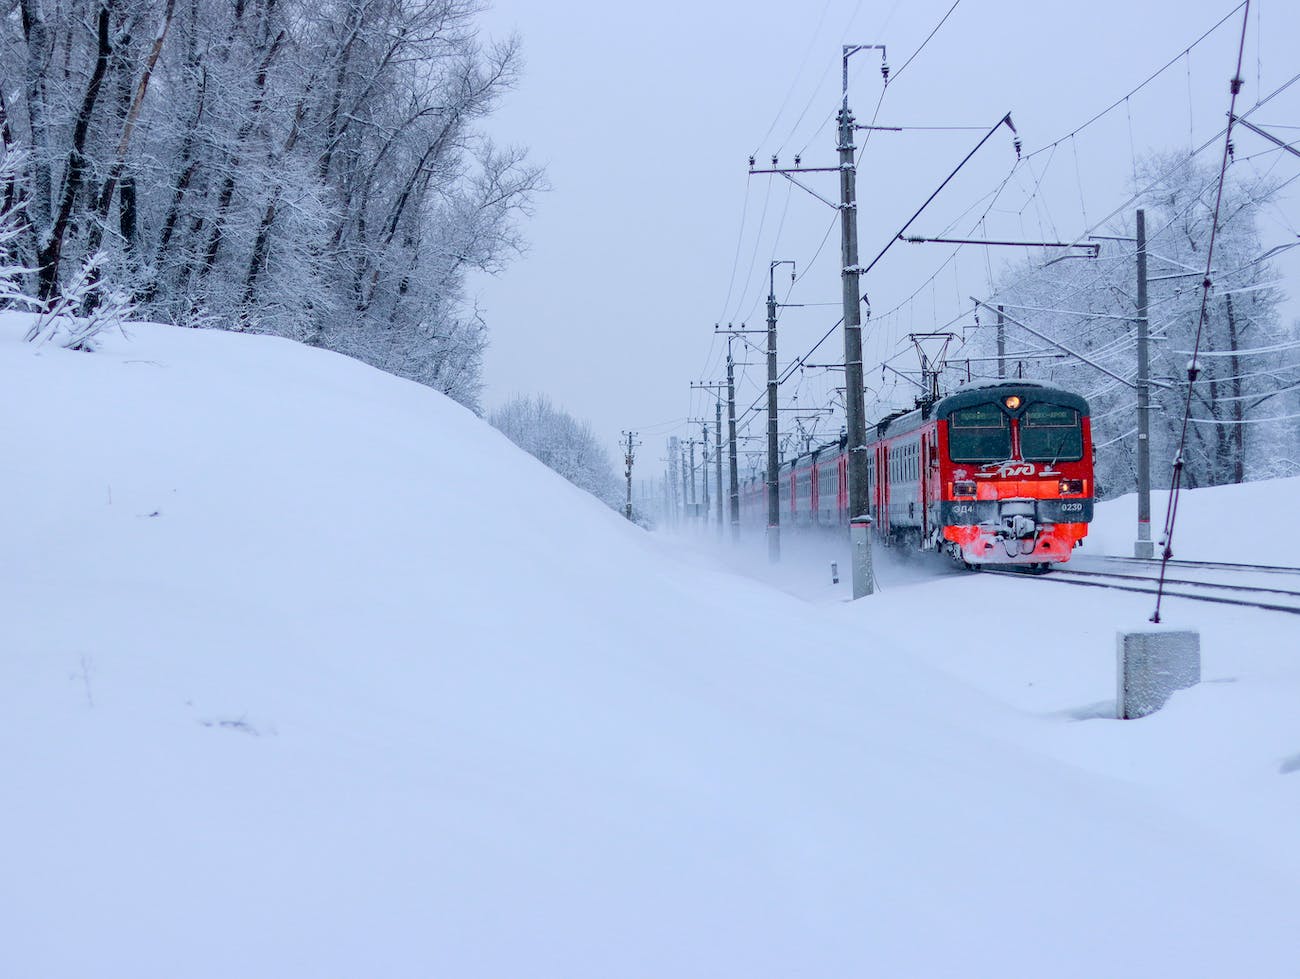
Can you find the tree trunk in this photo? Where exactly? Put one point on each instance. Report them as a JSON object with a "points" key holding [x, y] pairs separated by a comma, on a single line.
{"points": [[257, 262], [217, 234], [50, 253], [105, 200], [36, 34]]}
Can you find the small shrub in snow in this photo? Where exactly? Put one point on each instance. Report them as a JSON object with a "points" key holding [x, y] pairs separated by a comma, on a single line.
{"points": [[60, 324]]}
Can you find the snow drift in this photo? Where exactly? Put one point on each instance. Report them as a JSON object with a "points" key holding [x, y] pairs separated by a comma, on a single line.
{"points": [[308, 672]]}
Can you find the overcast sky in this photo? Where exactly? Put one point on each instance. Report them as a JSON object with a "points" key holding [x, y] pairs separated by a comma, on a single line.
{"points": [[645, 115]]}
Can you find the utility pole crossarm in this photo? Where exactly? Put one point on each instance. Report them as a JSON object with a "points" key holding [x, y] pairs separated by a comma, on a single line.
{"points": [[1237, 120], [1094, 247], [786, 171]]}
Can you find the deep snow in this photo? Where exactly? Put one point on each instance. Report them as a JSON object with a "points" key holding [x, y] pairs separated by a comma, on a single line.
{"points": [[307, 672]]}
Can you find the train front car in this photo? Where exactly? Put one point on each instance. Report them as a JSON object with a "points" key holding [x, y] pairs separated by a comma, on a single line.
{"points": [[1015, 467]]}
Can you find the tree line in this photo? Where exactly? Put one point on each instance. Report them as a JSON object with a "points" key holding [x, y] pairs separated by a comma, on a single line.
{"points": [[561, 442], [314, 169]]}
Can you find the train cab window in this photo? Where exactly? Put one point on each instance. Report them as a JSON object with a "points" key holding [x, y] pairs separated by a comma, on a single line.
{"points": [[979, 434], [1050, 433]]}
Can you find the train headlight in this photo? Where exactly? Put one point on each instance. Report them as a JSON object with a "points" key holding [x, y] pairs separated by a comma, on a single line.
{"points": [[963, 488], [1012, 401], [1071, 486]]}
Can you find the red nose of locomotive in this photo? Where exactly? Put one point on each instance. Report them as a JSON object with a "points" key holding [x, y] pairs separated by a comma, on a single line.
{"points": [[1016, 472]]}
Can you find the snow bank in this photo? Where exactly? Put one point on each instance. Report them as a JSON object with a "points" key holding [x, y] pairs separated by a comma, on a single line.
{"points": [[308, 672], [1245, 523]]}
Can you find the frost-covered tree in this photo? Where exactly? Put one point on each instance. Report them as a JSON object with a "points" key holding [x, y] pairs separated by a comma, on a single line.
{"points": [[12, 273], [562, 442], [1249, 368], [310, 168]]}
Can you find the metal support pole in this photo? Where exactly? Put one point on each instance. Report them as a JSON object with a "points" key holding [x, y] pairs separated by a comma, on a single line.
{"points": [[1002, 344], [854, 401], [773, 460], [1143, 547], [731, 437]]}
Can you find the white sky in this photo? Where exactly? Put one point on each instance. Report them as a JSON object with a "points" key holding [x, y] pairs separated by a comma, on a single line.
{"points": [[645, 115]]}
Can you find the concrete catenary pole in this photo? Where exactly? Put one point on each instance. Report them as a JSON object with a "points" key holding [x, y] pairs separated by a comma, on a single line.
{"points": [[773, 459], [1142, 547], [704, 472], [855, 407], [694, 506], [731, 440], [673, 452], [686, 498], [628, 460], [717, 456]]}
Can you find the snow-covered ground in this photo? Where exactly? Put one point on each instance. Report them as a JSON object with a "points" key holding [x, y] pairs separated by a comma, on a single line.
{"points": [[308, 673]]}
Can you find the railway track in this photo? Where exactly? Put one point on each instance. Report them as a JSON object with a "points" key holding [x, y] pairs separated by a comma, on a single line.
{"points": [[1207, 565], [1218, 592]]}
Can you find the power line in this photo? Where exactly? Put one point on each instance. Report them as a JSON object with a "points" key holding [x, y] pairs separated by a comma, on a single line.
{"points": [[932, 33], [1143, 84], [1171, 511]]}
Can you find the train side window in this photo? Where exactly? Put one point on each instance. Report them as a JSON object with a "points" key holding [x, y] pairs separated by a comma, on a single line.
{"points": [[980, 433]]}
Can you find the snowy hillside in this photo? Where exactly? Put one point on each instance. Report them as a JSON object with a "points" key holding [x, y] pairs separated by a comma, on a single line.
{"points": [[307, 672], [1215, 523]]}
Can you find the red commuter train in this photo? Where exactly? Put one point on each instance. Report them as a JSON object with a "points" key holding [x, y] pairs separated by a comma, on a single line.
{"points": [[993, 474]]}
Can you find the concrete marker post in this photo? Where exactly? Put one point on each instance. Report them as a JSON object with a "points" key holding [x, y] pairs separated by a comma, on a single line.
{"points": [[1151, 664]]}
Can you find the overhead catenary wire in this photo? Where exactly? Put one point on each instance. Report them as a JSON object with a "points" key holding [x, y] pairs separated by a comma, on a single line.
{"points": [[1171, 511], [1120, 344], [1050, 148], [862, 149], [1243, 421]]}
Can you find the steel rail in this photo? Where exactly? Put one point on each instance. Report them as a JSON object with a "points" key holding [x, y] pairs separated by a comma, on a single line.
{"points": [[1207, 565], [1176, 581], [1215, 599]]}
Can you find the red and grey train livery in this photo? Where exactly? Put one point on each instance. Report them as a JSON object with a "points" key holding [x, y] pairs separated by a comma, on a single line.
{"points": [[993, 474]]}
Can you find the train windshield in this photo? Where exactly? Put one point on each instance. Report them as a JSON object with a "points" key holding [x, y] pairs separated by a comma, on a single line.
{"points": [[1050, 433], [979, 434]]}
